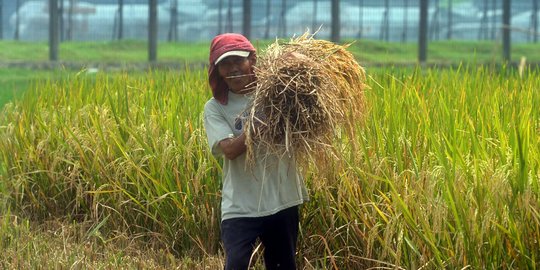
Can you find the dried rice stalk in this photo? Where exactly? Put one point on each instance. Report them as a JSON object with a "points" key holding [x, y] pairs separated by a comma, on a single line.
{"points": [[308, 90]]}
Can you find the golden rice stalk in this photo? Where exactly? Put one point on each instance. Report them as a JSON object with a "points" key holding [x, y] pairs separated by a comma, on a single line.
{"points": [[307, 92]]}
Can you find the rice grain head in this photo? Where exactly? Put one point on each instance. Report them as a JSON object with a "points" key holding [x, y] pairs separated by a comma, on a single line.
{"points": [[308, 92]]}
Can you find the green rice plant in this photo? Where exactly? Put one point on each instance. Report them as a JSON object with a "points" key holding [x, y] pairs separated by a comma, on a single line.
{"points": [[125, 152], [446, 177], [444, 172]]}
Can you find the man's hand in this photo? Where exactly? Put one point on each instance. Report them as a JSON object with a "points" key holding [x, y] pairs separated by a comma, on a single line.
{"points": [[233, 147]]}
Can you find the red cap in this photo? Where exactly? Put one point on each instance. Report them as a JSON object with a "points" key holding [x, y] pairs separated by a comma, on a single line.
{"points": [[222, 44]]}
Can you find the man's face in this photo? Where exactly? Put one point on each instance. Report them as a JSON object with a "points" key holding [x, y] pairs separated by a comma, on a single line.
{"points": [[237, 72]]}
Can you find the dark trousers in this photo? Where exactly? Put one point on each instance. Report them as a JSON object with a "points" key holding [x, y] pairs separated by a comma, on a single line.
{"points": [[278, 234]]}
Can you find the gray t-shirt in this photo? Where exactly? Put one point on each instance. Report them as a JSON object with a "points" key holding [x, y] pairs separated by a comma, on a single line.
{"points": [[271, 185]]}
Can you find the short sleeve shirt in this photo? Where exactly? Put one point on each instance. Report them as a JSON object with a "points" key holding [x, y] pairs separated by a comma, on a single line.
{"points": [[271, 185]]}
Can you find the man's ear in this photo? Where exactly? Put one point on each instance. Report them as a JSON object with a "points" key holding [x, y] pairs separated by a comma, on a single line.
{"points": [[252, 58]]}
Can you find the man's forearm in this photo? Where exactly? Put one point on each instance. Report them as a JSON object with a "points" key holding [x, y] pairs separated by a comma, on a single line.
{"points": [[233, 147]]}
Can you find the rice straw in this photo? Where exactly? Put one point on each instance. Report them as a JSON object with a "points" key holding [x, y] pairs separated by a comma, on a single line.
{"points": [[307, 91]]}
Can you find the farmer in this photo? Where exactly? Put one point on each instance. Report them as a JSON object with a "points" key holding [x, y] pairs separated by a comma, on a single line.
{"points": [[259, 202]]}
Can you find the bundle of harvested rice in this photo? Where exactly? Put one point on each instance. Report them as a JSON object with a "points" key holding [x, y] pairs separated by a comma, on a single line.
{"points": [[307, 91]]}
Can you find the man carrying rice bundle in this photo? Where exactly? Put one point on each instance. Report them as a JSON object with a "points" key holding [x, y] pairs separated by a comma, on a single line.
{"points": [[269, 119], [258, 201]]}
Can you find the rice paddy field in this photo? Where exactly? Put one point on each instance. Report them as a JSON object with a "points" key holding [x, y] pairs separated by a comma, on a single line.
{"points": [[112, 170]]}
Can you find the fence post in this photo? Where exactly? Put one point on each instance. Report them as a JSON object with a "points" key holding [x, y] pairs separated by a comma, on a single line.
{"points": [[61, 19], [246, 22], [506, 30], [152, 31], [434, 27], [17, 22], [173, 23], [336, 22], [53, 30], [405, 21], [450, 20], [423, 29], [535, 21], [1, 20], [229, 26], [220, 19], [385, 25], [282, 25], [69, 30], [120, 19], [360, 18], [314, 17], [493, 20], [267, 27]]}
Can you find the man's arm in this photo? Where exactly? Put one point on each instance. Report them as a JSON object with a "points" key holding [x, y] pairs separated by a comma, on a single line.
{"points": [[233, 147]]}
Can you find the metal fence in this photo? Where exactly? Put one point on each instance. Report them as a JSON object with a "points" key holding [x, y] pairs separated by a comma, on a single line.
{"points": [[200, 20]]}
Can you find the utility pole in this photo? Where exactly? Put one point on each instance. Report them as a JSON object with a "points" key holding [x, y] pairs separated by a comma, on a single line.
{"points": [[450, 20], [220, 19], [229, 25], [535, 21], [1, 21], [483, 30], [360, 18], [423, 29], [61, 19], [69, 30], [17, 19], [314, 17], [336, 22], [152, 30], [506, 30], [267, 28], [282, 26], [405, 21], [493, 20], [246, 22], [120, 19], [173, 33], [53, 30], [434, 30], [385, 27]]}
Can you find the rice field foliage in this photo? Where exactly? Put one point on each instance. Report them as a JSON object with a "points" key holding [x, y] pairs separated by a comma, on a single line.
{"points": [[444, 171], [125, 152]]}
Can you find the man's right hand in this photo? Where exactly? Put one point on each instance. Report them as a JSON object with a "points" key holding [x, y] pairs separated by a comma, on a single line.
{"points": [[233, 147]]}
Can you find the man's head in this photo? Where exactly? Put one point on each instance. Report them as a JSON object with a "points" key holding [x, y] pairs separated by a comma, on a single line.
{"points": [[232, 57]]}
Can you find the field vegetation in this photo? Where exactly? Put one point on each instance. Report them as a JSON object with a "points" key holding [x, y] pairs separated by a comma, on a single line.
{"points": [[25, 62], [112, 170], [368, 52]]}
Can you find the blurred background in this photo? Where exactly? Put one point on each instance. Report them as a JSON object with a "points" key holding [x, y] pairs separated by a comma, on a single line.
{"points": [[200, 20]]}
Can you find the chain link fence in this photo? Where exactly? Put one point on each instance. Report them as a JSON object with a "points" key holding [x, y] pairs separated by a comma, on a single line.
{"points": [[200, 20]]}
